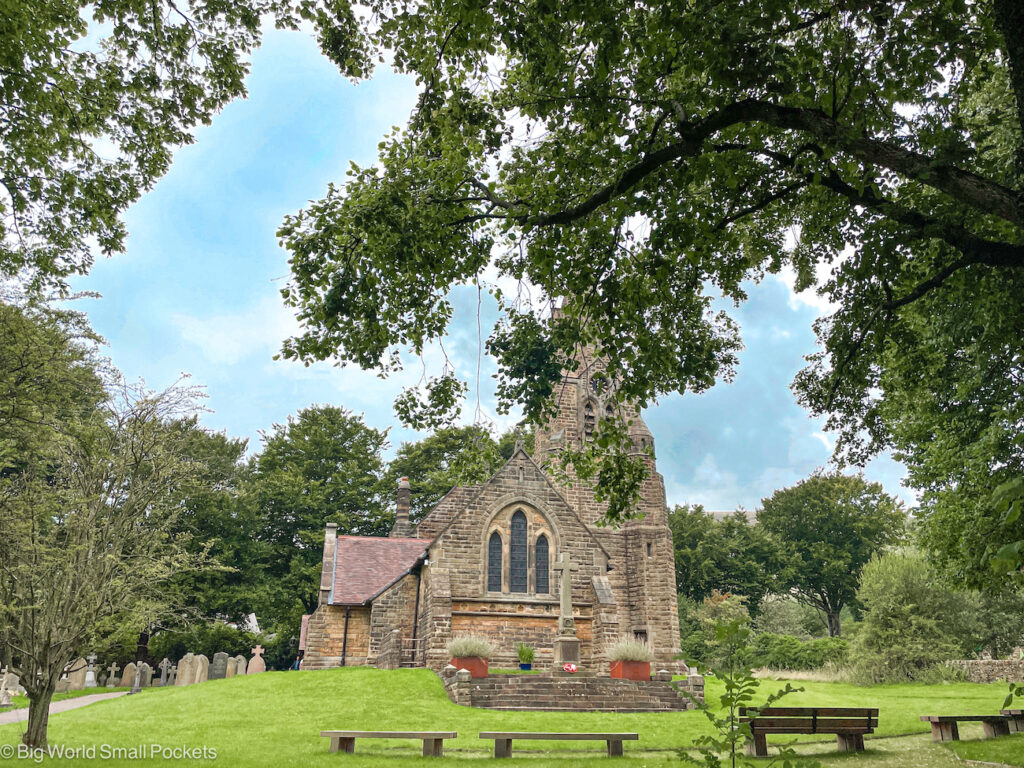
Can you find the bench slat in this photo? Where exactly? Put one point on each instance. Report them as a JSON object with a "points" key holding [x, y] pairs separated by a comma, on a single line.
{"points": [[542, 736], [760, 723], [809, 712], [963, 718], [391, 734]]}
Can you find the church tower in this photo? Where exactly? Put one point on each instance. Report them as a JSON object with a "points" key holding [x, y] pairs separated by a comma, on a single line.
{"points": [[641, 573]]}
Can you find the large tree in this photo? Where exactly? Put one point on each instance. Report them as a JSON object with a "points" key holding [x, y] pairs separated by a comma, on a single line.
{"points": [[826, 528], [97, 95], [643, 158], [89, 484]]}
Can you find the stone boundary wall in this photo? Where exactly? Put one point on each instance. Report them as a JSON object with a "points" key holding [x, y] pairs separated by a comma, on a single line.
{"points": [[991, 670], [390, 654]]}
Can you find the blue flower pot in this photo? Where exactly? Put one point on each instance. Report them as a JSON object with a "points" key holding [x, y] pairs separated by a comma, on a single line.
{"points": [[525, 667]]}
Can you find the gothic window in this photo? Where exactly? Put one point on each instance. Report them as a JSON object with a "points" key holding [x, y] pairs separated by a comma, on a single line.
{"points": [[609, 412], [541, 558], [588, 421], [494, 563], [517, 553]]}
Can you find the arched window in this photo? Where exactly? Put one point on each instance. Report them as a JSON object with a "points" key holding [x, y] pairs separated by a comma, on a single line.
{"points": [[588, 421], [541, 553], [517, 553], [494, 563]]}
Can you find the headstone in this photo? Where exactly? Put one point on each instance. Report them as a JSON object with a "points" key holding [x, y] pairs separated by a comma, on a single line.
{"points": [[145, 675], [202, 669], [5, 695], [186, 669], [230, 666], [63, 686], [136, 677], [76, 675], [128, 676], [172, 675], [219, 666], [112, 679], [101, 681], [90, 673], [240, 664], [165, 666], [256, 663]]}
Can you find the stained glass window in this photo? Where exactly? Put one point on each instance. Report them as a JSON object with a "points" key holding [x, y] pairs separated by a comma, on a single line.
{"points": [[494, 563], [541, 553], [517, 553]]}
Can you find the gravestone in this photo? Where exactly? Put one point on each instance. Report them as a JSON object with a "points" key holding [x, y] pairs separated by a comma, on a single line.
{"points": [[186, 669], [202, 669], [128, 675], [219, 666], [90, 673], [76, 676], [229, 667], [172, 674], [63, 686], [136, 678], [240, 664], [165, 666], [145, 675], [5, 695], [112, 678], [256, 663], [101, 681]]}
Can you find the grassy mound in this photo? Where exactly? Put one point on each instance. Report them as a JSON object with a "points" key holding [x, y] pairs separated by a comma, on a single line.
{"points": [[274, 719]]}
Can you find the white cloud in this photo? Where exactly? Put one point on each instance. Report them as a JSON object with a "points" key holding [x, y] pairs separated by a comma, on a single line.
{"points": [[229, 338]]}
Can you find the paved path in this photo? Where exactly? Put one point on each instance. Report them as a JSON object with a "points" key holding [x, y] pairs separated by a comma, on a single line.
{"points": [[21, 713]]}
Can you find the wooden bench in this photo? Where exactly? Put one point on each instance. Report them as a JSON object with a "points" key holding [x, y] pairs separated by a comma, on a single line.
{"points": [[1016, 719], [503, 739], [849, 725], [944, 727], [433, 741]]}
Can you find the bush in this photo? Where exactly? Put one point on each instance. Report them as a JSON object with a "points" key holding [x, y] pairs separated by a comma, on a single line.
{"points": [[789, 652], [782, 615], [698, 622], [206, 639], [629, 649], [470, 645], [525, 653]]}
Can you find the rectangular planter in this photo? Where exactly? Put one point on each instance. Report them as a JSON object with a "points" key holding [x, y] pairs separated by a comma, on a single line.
{"points": [[477, 667], [631, 670]]}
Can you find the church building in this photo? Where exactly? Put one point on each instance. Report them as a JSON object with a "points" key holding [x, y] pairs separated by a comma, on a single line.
{"points": [[482, 562]]}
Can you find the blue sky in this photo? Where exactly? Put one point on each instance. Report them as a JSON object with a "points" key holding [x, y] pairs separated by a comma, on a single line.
{"points": [[197, 292]]}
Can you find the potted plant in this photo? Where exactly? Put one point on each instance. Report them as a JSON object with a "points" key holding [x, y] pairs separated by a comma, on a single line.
{"points": [[472, 653], [525, 654], [630, 659]]}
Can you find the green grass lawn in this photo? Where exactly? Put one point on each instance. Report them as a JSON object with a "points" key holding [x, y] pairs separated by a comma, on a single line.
{"points": [[274, 719]]}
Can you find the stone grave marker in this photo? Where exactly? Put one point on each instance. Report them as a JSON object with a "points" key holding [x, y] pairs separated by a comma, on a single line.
{"points": [[78, 669], [5, 695], [219, 666], [186, 669], [256, 663], [172, 674], [229, 667], [240, 664], [165, 666], [128, 675], [90, 673], [202, 669], [145, 675], [112, 678], [63, 686]]}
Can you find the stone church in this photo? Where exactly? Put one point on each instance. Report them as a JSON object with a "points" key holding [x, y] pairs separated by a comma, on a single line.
{"points": [[481, 562]]}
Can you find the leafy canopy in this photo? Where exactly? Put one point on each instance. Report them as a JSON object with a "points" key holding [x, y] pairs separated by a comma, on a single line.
{"points": [[643, 159]]}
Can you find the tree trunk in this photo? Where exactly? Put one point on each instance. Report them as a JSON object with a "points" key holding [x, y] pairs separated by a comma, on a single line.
{"points": [[38, 717], [1009, 17], [834, 629]]}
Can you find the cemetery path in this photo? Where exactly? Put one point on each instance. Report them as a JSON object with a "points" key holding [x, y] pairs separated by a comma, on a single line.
{"points": [[21, 714]]}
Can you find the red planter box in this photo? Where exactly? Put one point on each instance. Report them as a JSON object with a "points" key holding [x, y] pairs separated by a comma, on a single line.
{"points": [[477, 667], [631, 670]]}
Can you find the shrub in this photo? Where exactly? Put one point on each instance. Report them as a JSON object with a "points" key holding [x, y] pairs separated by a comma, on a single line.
{"points": [[206, 639], [467, 646], [698, 622], [630, 649], [788, 652], [525, 653]]}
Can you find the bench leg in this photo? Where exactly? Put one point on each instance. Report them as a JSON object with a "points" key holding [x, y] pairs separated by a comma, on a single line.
{"points": [[758, 745], [343, 744], [503, 747], [614, 748], [995, 728], [1016, 725], [850, 742], [945, 732], [433, 747]]}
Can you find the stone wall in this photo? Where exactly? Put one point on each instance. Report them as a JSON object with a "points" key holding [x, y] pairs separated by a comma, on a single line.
{"points": [[991, 670], [435, 616], [326, 637], [394, 609], [390, 654]]}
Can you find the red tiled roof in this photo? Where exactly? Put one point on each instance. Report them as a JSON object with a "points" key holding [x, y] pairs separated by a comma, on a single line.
{"points": [[365, 566]]}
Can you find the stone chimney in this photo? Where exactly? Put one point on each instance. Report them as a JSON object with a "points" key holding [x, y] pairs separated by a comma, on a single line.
{"points": [[327, 569], [402, 526]]}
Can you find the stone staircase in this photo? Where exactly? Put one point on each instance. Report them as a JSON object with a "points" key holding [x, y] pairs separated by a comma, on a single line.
{"points": [[412, 652], [573, 694]]}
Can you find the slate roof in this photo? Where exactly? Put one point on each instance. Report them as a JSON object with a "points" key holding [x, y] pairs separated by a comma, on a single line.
{"points": [[365, 566]]}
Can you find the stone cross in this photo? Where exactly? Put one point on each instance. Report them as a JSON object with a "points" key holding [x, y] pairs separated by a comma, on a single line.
{"points": [[112, 680], [256, 663], [165, 666], [90, 673], [566, 624]]}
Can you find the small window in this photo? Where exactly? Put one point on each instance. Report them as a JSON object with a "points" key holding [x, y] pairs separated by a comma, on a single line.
{"points": [[517, 553], [541, 553], [494, 563], [640, 634], [588, 421], [648, 549]]}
